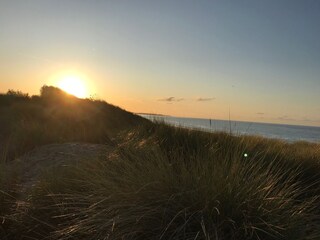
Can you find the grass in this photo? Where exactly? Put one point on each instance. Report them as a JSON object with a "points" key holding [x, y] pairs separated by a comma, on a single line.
{"points": [[54, 116], [8, 186], [162, 182]]}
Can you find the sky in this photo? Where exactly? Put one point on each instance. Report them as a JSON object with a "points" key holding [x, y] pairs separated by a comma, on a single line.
{"points": [[252, 60]]}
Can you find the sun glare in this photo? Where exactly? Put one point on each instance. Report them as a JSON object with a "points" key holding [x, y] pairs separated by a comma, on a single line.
{"points": [[73, 85]]}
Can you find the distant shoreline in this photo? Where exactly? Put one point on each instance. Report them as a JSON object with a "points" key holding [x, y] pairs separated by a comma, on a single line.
{"points": [[240, 121], [154, 114], [290, 133]]}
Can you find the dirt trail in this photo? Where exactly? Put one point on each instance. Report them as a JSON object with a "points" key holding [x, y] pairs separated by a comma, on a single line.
{"points": [[35, 162]]}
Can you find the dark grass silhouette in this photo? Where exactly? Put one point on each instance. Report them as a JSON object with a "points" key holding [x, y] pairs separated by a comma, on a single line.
{"points": [[55, 116]]}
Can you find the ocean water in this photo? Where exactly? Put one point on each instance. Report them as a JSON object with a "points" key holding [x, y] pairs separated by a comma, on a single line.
{"points": [[290, 133]]}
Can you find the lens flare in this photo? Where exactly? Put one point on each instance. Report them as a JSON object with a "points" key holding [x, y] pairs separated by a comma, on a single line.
{"points": [[74, 86]]}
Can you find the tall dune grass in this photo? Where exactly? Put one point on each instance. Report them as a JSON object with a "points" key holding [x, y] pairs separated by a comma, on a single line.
{"points": [[171, 183]]}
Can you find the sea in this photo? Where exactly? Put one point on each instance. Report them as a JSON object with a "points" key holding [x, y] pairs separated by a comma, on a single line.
{"points": [[289, 133]]}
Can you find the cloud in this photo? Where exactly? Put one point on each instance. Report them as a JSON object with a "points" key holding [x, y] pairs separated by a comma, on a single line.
{"points": [[174, 99], [204, 99], [303, 119], [286, 118], [260, 113], [310, 120], [171, 99]]}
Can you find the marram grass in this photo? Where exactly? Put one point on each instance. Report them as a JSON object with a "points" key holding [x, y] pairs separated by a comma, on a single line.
{"points": [[146, 190]]}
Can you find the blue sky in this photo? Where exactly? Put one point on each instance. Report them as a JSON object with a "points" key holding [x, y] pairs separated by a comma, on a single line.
{"points": [[260, 59]]}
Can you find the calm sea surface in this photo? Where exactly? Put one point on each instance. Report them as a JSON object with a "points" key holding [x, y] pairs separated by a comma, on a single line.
{"points": [[289, 133]]}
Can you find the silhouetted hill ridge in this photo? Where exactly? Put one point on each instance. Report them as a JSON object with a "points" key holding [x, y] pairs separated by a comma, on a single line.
{"points": [[55, 116]]}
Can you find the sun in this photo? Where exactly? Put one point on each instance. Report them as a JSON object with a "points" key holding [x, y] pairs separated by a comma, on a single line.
{"points": [[73, 85]]}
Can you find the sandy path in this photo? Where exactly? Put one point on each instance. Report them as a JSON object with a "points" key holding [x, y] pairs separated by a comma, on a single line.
{"points": [[32, 165]]}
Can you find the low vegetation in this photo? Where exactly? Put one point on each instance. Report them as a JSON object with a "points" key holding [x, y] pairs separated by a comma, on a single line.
{"points": [[162, 182], [55, 116]]}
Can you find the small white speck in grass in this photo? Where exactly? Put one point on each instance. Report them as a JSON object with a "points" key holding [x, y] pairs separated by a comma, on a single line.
{"points": [[245, 155]]}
